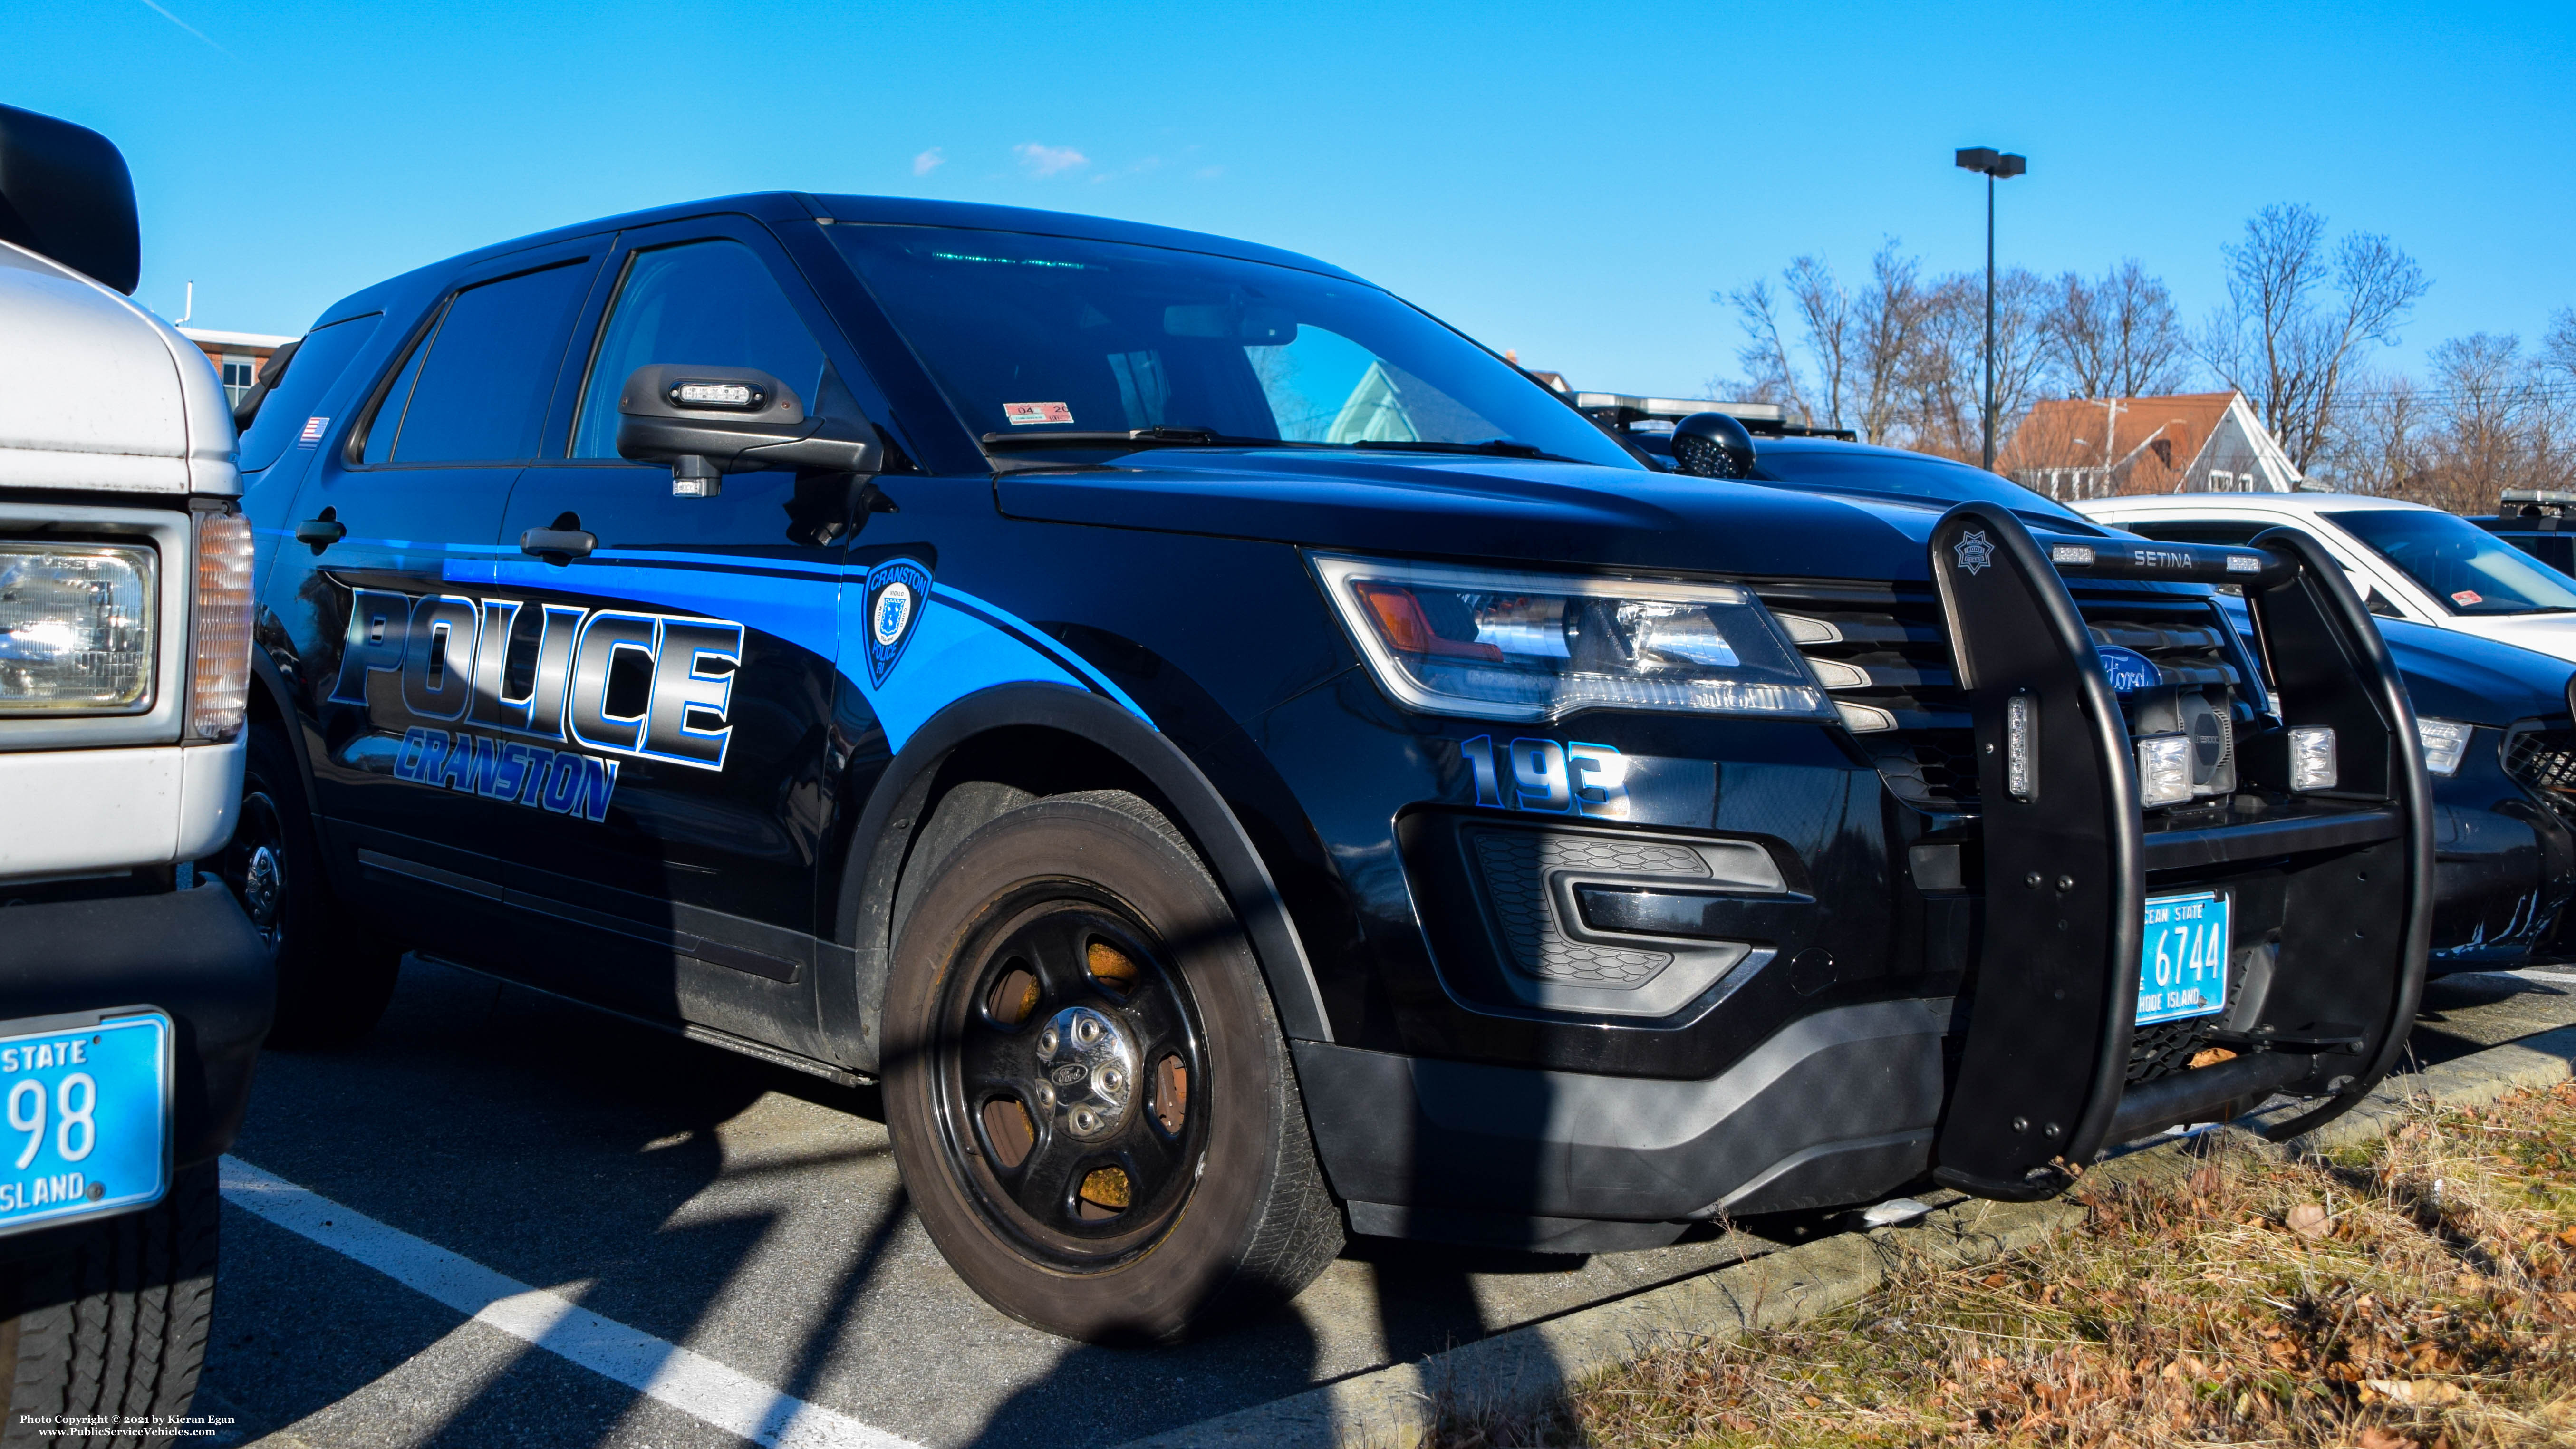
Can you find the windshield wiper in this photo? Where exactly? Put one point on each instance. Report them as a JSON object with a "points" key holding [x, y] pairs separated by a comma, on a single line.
{"points": [[1503, 447], [1131, 438]]}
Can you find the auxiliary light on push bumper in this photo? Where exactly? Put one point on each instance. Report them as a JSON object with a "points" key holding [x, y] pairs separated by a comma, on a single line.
{"points": [[2344, 834]]}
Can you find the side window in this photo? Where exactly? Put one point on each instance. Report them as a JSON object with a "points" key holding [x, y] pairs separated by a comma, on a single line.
{"points": [[476, 386], [317, 363], [711, 303]]}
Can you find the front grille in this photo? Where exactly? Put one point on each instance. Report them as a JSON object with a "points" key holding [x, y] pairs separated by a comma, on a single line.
{"points": [[1882, 654], [2545, 761]]}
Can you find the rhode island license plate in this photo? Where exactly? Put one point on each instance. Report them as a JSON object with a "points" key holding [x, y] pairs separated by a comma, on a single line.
{"points": [[2182, 960], [84, 1119]]}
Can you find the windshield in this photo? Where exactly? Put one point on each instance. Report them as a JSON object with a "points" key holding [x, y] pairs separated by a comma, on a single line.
{"points": [[1906, 475], [2469, 569], [1032, 337]]}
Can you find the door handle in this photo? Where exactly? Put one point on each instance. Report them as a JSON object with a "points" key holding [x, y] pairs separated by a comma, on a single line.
{"points": [[557, 545], [322, 532]]}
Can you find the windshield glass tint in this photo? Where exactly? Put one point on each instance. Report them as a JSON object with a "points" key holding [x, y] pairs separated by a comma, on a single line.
{"points": [[1035, 335], [2470, 570], [1906, 475]]}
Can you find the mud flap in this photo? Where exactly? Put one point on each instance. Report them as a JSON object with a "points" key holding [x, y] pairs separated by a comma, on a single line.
{"points": [[2041, 1081]]}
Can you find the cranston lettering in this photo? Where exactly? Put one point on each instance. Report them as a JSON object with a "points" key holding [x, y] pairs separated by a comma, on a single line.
{"points": [[558, 782], [544, 671]]}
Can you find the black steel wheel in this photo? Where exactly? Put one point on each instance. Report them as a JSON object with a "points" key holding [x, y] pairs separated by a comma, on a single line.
{"points": [[1090, 1098], [1070, 1049]]}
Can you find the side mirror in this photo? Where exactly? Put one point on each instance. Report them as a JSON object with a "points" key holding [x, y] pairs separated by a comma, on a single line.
{"points": [[709, 421], [1712, 445], [65, 194]]}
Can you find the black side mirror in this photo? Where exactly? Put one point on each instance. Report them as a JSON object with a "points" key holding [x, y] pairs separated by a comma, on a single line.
{"points": [[1712, 445], [65, 194], [709, 421]]}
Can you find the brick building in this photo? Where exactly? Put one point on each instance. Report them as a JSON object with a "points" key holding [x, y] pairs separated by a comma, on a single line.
{"points": [[237, 356]]}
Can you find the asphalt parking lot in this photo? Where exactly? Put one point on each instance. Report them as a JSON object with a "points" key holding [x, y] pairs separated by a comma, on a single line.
{"points": [[710, 1247]]}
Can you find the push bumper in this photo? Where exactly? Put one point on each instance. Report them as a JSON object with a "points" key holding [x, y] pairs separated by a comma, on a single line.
{"points": [[2042, 1081], [191, 953]]}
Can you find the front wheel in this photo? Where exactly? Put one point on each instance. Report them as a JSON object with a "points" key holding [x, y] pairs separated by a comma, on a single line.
{"points": [[1090, 1098]]}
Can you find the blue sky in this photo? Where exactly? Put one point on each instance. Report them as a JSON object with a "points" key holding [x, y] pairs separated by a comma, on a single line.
{"points": [[1568, 181]]}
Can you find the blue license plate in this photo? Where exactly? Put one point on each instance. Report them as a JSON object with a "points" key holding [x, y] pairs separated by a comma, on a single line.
{"points": [[84, 1119], [2182, 959]]}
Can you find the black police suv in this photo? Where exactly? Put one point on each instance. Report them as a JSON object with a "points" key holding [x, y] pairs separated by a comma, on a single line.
{"points": [[1242, 764]]}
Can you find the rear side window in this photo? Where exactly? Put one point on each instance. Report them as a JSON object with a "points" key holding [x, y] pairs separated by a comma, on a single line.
{"points": [[317, 363], [710, 303], [476, 386]]}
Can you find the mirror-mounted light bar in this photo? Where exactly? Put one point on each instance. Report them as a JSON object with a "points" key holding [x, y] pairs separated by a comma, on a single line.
{"points": [[742, 397]]}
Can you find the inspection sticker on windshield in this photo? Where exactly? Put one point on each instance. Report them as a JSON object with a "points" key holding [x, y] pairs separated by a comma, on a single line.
{"points": [[2467, 597], [2182, 958], [1024, 414]]}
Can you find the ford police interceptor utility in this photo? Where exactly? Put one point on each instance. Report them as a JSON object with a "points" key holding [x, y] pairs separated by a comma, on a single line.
{"points": [[133, 992], [1242, 764]]}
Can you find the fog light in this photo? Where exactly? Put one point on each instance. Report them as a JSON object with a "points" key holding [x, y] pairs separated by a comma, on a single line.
{"points": [[2312, 758], [2446, 744], [2164, 769], [2021, 746]]}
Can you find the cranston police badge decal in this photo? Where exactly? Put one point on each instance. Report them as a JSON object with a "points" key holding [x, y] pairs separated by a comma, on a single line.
{"points": [[1975, 553], [897, 591]]}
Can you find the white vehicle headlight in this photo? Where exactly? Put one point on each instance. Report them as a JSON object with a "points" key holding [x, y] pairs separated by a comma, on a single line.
{"points": [[76, 627], [1498, 644], [2446, 744]]}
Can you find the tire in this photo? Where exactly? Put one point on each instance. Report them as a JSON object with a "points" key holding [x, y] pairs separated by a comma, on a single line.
{"points": [[1091, 1101], [113, 1323], [333, 976]]}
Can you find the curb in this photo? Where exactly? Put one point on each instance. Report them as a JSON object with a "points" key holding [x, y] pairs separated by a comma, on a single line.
{"points": [[1529, 1364]]}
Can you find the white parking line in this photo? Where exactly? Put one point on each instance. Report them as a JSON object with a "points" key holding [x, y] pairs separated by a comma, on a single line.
{"points": [[686, 1380]]}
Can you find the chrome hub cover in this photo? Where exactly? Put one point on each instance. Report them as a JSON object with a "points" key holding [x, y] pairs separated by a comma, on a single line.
{"points": [[1086, 1072]]}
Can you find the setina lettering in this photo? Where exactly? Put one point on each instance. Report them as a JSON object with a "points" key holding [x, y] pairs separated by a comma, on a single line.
{"points": [[538, 672]]}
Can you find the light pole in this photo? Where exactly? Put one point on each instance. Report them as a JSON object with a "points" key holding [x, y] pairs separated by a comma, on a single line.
{"points": [[1994, 166]]}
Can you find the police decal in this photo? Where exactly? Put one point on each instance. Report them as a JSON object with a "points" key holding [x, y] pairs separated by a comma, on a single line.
{"points": [[897, 590], [1975, 553], [514, 701]]}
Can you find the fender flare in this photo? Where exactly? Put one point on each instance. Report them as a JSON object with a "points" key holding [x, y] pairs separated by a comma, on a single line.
{"points": [[850, 1001]]}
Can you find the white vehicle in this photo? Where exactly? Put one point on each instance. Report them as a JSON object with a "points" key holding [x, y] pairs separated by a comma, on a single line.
{"points": [[134, 989], [2406, 560]]}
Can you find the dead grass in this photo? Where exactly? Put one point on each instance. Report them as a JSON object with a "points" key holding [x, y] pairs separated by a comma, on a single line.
{"points": [[2418, 1293]]}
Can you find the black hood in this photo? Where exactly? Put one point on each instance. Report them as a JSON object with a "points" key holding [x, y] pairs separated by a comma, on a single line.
{"points": [[1496, 508]]}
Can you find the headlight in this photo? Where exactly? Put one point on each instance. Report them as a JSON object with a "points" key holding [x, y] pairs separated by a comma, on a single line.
{"points": [[75, 628], [2446, 744], [221, 696], [1524, 646]]}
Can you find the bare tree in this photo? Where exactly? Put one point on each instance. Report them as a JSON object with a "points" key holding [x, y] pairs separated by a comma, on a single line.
{"points": [[2558, 344], [2297, 312], [1889, 320], [1770, 374], [2118, 336], [1949, 372]]}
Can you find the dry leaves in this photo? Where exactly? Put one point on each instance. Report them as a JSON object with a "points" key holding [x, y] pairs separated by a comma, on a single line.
{"points": [[2432, 1306]]}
